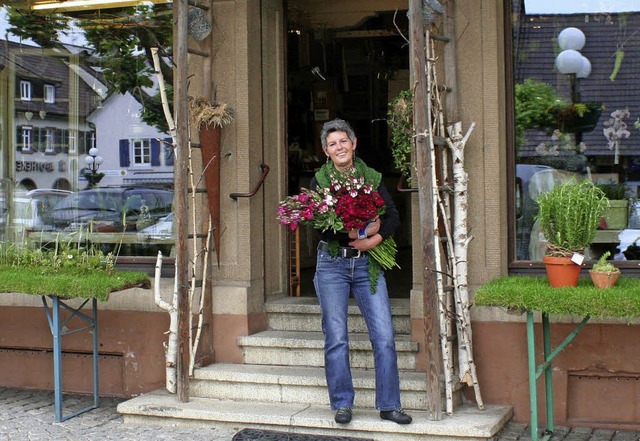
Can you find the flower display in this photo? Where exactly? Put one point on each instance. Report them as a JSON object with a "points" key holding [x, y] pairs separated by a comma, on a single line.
{"points": [[615, 130], [560, 143], [347, 204]]}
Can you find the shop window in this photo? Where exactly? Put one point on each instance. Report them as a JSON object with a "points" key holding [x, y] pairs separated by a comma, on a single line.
{"points": [[576, 113], [67, 133]]}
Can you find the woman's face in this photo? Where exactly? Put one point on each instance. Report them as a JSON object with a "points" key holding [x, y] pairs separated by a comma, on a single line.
{"points": [[340, 150]]}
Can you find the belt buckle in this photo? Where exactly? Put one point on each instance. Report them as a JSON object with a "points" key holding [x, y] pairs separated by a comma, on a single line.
{"points": [[345, 253]]}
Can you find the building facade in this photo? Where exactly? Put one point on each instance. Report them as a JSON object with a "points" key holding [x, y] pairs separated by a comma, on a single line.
{"points": [[284, 67]]}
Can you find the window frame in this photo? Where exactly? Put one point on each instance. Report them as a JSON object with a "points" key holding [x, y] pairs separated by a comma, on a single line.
{"points": [[144, 146], [25, 90], [26, 136], [49, 94]]}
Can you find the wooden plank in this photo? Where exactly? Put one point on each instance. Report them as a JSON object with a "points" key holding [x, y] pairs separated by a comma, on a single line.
{"points": [[181, 111], [421, 118]]}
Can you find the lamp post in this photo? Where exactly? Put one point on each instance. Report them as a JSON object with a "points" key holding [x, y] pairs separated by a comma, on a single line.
{"points": [[571, 62], [93, 162]]}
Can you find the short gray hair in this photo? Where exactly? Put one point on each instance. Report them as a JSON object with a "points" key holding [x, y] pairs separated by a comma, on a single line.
{"points": [[336, 125]]}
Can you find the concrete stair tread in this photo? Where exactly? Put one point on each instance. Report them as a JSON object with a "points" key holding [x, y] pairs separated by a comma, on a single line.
{"points": [[160, 407], [299, 375], [315, 340], [310, 305]]}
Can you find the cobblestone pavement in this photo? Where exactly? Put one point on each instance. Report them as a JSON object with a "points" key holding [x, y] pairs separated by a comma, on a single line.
{"points": [[520, 432], [28, 415]]}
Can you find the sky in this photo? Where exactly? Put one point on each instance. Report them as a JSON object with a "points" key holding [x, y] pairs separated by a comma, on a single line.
{"points": [[579, 6]]}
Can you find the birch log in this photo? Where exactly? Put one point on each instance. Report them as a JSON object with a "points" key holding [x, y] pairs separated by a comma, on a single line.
{"points": [[456, 142], [171, 347], [445, 343]]}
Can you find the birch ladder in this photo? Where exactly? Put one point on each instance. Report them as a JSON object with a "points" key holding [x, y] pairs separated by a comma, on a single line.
{"points": [[189, 308], [449, 186]]}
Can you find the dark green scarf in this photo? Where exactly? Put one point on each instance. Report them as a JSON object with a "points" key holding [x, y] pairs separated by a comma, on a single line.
{"points": [[371, 176]]}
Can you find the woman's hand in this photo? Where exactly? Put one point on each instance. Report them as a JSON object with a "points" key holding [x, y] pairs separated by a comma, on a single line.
{"points": [[371, 229], [366, 244]]}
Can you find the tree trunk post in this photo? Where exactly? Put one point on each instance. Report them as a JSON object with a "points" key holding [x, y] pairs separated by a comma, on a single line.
{"points": [[422, 123], [181, 110]]}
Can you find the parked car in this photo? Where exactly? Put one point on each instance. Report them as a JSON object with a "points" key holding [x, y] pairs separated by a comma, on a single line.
{"points": [[157, 237], [163, 229], [111, 209], [32, 210]]}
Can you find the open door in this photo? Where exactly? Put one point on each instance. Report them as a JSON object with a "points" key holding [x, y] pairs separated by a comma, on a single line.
{"points": [[351, 72]]}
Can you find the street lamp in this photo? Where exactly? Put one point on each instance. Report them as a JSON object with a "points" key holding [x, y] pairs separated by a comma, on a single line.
{"points": [[93, 162], [571, 62]]}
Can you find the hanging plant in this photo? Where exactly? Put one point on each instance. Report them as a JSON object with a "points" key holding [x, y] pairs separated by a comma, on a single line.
{"points": [[400, 119]]}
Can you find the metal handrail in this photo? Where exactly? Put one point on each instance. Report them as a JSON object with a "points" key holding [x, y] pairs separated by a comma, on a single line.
{"points": [[265, 172], [401, 188]]}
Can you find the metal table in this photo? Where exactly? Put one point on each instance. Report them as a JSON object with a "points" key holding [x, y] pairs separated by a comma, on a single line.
{"points": [[544, 369], [58, 330]]}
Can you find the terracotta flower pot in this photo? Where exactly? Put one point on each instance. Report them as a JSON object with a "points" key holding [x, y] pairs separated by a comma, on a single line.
{"points": [[561, 271], [604, 279]]}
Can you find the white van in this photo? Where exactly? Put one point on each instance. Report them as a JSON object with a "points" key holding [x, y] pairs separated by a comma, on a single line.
{"points": [[32, 211]]}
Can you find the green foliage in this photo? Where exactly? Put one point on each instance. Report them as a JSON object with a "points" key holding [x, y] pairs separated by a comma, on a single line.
{"points": [[400, 119], [41, 28], [56, 256], [64, 270], [535, 294], [533, 99], [602, 266], [569, 216], [613, 191]]}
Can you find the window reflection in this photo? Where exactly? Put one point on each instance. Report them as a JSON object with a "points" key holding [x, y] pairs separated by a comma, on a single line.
{"points": [[61, 101], [575, 119]]}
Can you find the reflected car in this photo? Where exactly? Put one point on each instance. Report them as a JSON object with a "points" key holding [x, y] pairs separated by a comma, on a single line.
{"points": [[112, 209], [161, 230], [32, 211]]}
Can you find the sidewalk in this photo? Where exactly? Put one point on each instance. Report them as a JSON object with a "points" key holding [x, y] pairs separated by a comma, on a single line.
{"points": [[28, 415]]}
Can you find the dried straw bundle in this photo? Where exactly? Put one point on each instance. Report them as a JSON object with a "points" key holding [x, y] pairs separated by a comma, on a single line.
{"points": [[202, 112]]}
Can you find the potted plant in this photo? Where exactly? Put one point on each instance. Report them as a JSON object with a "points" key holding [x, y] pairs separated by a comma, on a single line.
{"points": [[604, 274], [569, 216], [576, 117], [616, 217]]}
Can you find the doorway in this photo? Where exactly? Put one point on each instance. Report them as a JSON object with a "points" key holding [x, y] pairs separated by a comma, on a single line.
{"points": [[352, 73]]}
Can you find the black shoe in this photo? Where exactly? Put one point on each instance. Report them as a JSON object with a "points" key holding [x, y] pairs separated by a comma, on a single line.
{"points": [[343, 415], [397, 416]]}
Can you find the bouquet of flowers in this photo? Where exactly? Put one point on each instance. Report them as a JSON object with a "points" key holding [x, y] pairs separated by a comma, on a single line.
{"points": [[348, 204]]}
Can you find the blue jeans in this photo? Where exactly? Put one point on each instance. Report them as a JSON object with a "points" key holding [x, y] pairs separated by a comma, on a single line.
{"points": [[334, 279]]}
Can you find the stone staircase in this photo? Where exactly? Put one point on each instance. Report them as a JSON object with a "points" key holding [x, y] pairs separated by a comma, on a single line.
{"points": [[282, 387]]}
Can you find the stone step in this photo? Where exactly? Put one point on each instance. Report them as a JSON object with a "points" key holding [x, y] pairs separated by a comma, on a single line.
{"points": [[291, 348], [300, 385], [303, 314], [161, 408]]}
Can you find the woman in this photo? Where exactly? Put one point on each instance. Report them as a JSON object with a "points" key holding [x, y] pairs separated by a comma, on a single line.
{"points": [[347, 273]]}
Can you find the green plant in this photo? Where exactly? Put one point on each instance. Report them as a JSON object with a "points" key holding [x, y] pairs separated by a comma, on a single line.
{"points": [[613, 190], [533, 99], [63, 269], [400, 119], [569, 216], [602, 266]]}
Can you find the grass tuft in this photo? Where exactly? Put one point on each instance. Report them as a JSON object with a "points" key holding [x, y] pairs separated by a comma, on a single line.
{"points": [[535, 294]]}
